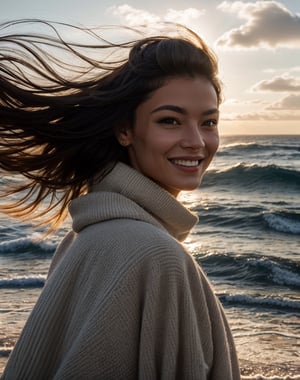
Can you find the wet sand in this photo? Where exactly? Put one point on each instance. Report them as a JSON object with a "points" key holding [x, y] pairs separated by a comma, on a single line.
{"points": [[258, 372]]}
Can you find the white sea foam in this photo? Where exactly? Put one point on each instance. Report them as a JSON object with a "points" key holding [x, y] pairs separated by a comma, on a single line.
{"points": [[248, 300], [24, 243], [261, 377], [282, 224], [23, 282], [280, 275], [285, 277]]}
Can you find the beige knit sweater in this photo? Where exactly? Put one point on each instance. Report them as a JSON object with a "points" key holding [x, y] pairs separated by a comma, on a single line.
{"points": [[123, 299]]}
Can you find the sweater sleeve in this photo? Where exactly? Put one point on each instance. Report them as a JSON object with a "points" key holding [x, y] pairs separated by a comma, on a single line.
{"points": [[176, 336], [183, 333]]}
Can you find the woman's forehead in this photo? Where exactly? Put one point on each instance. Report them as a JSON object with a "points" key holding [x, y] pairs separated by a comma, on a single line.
{"points": [[183, 92]]}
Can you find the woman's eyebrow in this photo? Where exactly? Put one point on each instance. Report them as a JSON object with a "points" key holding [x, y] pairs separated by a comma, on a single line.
{"points": [[170, 107], [210, 112]]}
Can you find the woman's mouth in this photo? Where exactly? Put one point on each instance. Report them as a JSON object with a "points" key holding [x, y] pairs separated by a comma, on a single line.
{"points": [[186, 163]]}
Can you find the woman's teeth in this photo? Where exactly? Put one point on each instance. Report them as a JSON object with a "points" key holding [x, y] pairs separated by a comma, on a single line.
{"points": [[188, 163]]}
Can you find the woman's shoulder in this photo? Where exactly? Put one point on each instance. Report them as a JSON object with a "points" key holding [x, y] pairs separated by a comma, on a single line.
{"points": [[129, 231], [137, 239], [126, 252]]}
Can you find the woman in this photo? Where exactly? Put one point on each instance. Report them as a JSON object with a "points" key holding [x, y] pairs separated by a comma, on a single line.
{"points": [[123, 298]]}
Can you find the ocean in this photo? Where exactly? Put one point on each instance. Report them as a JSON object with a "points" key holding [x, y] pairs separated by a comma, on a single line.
{"points": [[247, 241]]}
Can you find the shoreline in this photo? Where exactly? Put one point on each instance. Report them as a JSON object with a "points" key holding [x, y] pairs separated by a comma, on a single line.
{"points": [[248, 371], [270, 372]]}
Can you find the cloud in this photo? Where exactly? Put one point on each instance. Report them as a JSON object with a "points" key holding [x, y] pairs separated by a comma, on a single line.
{"points": [[261, 116], [282, 83], [277, 70], [289, 102], [236, 102], [184, 16], [268, 24], [134, 17], [295, 68]]}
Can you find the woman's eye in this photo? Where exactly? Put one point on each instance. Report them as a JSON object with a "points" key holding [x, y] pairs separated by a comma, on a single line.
{"points": [[169, 121], [211, 123]]}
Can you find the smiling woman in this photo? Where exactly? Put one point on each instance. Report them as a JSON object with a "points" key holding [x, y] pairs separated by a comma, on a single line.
{"points": [[175, 136], [123, 298]]}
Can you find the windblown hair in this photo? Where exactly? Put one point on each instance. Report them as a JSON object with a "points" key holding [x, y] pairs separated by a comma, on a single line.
{"points": [[58, 118]]}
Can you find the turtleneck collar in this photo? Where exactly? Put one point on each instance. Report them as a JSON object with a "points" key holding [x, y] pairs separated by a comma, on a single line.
{"points": [[126, 193]]}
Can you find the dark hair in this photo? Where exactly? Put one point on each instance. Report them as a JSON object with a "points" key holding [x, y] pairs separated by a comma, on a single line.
{"points": [[58, 120]]}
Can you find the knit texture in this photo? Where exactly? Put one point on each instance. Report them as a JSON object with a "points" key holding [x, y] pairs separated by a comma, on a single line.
{"points": [[123, 298]]}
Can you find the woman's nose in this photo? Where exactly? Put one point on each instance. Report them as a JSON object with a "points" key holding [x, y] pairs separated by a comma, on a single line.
{"points": [[192, 138]]}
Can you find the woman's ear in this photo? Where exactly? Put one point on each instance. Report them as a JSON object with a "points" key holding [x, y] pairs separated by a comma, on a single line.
{"points": [[124, 135]]}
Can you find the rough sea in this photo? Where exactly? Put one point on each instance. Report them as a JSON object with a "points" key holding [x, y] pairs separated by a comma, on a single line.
{"points": [[247, 241]]}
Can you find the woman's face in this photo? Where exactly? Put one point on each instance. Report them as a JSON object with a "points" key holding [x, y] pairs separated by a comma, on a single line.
{"points": [[175, 134]]}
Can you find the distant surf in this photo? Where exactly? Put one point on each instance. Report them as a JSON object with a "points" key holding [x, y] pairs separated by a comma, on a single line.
{"points": [[22, 282], [253, 176], [26, 244]]}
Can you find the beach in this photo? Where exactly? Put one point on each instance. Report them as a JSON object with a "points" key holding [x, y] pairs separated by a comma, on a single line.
{"points": [[246, 241]]}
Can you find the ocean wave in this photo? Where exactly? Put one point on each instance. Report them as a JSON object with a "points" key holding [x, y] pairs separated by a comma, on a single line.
{"points": [[239, 144], [251, 217], [241, 218], [285, 277], [254, 147], [269, 302], [283, 222], [22, 282], [253, 176], [28, 244], [5, 352], [279, 271], [252, 269], [236, 149]]}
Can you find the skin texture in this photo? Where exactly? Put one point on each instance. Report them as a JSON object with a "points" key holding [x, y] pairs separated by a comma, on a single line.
{"points": [[175, 134]]}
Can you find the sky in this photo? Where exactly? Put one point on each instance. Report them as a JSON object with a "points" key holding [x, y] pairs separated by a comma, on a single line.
{"points": [[257, 44]]}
